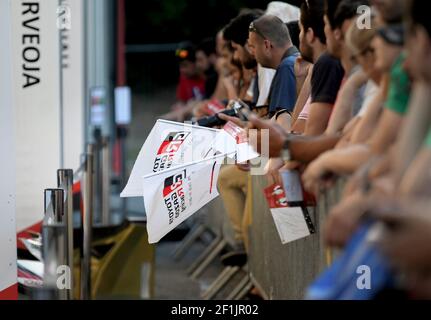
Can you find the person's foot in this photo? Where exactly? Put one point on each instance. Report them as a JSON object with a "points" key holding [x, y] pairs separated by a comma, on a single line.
{"points": [[237, 258], [254, 294]]}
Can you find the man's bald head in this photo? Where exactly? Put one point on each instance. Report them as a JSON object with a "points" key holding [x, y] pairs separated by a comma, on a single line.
{"points": [[273, 29]]}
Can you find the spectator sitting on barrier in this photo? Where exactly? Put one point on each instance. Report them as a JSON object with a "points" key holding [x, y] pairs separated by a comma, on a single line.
{"points": [[407, 246], [389, 58], [386, 132], [360, 43], [303, 70], [192, 83], [238, 81], [348, 212], [351, 93], [191, 86], [235, 80], [233, 180], [270, 43], [405, 213], [237, 33], [326, 79]]}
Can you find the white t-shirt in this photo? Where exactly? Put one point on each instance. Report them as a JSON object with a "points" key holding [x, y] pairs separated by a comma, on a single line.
{"points": [[265, 77], [371, 90], [305, 111]]}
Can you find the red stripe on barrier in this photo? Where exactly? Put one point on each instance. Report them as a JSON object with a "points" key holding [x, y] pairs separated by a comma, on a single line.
{"points": [[10, 293], [37, 228], [76, 187]]}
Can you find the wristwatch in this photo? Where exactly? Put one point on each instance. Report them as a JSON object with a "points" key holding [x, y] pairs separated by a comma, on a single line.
{"points": [[285, 151]]}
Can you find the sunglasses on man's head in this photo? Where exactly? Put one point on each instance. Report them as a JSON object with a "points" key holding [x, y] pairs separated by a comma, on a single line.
{"points": [[252, 28]]}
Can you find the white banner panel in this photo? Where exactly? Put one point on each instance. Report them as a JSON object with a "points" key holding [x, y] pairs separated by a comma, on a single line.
{"points": [[8, 269], [36, 82], [173, 195], [71, 25], [171, 144]]}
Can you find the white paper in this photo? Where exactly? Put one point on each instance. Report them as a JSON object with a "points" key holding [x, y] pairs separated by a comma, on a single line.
{"points": [[35, 267], [189, 144], [34, 247], [174, 195], [225, 143], [290, 224], [123, 106]]}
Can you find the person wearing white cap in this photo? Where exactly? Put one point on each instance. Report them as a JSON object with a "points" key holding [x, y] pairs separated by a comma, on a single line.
{"points": [[284, 11]]}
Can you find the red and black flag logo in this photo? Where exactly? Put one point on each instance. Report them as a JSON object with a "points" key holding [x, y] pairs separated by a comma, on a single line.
{"points": [[174, 183], [168, 149]]}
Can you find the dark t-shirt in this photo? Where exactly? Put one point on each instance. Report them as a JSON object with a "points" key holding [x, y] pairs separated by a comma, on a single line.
{"points": [[211, 79], [283, 88], [326, 79]]}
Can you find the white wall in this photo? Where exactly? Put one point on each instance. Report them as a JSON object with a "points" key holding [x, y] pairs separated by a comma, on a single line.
{"points": [[8, 270], [73, 99], [36, 108]]}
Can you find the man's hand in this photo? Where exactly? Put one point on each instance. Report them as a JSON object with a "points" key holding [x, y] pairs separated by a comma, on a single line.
{"points": [[316, 172], [272, 171], [276, 135], [344, 220], [407, 241]]}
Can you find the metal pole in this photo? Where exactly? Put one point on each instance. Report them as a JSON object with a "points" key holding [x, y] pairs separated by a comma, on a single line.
{"points": [[54, 245], [65, 182], [54, 205], [106, 182], [123, 179], [87, 225], [98, 179]]}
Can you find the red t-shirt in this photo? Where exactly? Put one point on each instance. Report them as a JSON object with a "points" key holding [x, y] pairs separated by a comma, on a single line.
{"points": [[189, 89]]}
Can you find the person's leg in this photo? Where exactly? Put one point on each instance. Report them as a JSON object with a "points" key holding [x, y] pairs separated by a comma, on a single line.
{"points": [[231, 183], [247, 217]]}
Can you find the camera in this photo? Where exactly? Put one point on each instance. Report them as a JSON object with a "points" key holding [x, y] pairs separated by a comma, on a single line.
{"points": [[239, 110]]}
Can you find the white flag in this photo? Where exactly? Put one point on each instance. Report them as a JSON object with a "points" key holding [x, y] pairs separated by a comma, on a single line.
{"points": [[171, 144], [173, 195], [238, 150]]}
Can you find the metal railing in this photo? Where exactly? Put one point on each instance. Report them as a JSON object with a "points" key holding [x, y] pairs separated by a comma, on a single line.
{"points": [[285, 271], [58, 233]]}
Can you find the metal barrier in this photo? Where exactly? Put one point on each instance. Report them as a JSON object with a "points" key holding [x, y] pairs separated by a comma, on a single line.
{"points": [[285, 271], [111, 258], [87, 223], [54, 242], [65, 182]]}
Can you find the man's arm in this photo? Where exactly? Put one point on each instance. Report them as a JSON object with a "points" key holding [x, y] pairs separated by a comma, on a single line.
{"points": [[318, 119], [343, 108], [386, 133], [307, 149]]}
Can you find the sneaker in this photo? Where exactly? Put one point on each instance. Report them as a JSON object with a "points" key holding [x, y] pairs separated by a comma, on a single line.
{"points": [[234, 259]]}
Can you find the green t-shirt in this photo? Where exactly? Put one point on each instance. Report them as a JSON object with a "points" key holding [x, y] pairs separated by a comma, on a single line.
{"points": [[399, 88], [428, 140]]}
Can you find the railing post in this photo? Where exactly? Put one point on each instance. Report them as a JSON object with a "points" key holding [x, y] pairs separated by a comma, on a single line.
{"points": [[87, 225], [54, 245], [106, 182], [65, 182]]}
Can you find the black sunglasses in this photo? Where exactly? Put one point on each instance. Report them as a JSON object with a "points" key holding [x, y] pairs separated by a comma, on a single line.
{"points": [[252, 28]]}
